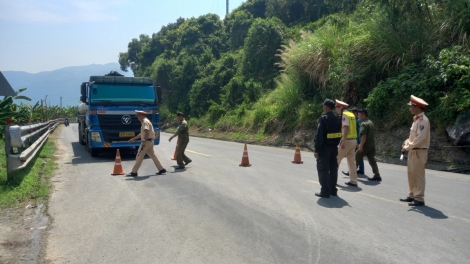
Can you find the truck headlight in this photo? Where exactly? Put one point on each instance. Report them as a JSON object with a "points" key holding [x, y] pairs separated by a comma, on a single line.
{"points": [[95, 136]]}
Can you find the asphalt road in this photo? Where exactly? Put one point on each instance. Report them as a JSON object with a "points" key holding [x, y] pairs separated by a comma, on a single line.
{"points": [[217, 212]]}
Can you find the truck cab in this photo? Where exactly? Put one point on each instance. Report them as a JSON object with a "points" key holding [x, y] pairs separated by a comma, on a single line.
{"points": [[108, 105]]}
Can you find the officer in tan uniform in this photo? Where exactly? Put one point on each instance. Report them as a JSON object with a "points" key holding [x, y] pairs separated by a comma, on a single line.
{"points": [[147, 136], [417, 145], [347, 146]]}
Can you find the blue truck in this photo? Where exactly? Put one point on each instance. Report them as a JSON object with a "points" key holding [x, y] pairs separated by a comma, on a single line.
{"points": [[107, 111]]}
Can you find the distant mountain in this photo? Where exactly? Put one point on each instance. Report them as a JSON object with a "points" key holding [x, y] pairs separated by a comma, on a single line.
{"points": [[63, 82]]}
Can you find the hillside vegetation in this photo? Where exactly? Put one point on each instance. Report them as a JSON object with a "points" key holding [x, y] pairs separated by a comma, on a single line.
{"points": [[269, 64]]}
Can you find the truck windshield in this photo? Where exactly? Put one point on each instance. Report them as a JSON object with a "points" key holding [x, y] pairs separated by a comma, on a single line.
{"points": [[121, 94]]}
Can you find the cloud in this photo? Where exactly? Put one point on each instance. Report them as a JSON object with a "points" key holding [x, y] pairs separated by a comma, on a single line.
{"points": [[56, 11]]}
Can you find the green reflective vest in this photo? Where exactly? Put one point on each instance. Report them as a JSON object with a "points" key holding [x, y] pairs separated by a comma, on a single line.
{"points": [[352, 124]]}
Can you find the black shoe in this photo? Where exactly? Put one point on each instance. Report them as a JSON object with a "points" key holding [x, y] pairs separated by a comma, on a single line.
{"points": [[350, 184], [407, 200], [375, 178], [416, 203], [334, 194], [345, 173], [161, 172], [322, 195], [188, 162], [180, 167], [360, 172], [132, 174]]}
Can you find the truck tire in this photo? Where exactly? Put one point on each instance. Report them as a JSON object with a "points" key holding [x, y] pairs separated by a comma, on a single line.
{"points": [[93, 152], [80, 135], [80, 138]]}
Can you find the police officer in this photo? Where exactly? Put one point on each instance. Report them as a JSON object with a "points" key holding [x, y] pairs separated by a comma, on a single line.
{"points": [[417, 145], [326, 149], [183, 140], [348, 142], [147, 136], [360, 165], [367, 145]]}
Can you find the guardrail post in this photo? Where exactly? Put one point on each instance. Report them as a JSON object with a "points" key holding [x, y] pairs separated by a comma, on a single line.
{"points": [[10, 171]]}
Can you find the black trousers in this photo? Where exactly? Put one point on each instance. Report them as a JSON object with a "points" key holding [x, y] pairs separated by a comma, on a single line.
{"points": [[327, 166]]}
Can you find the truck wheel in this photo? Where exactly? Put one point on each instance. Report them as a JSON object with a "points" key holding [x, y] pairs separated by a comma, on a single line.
{"points": [[80, 139], [93, 152], [80, 136]]}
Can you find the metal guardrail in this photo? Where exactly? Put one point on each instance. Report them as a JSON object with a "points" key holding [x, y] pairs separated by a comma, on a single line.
{"points": [[72, 120], [23, 142]]}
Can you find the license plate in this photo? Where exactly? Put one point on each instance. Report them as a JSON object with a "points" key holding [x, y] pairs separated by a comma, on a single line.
{"points": [[126, 134]]}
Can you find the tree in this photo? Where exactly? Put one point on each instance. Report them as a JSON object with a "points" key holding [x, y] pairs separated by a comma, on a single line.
{"points": [[207, 89], [238, 25], [261, 46], [130, 59]]}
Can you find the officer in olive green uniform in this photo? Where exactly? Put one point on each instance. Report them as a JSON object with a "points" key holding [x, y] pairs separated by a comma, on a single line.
{"points": [[367, 146], [183, 140]]}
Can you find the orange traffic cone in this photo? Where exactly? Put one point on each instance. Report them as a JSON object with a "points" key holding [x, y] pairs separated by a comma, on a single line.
{"points": [[174, 155], [297, 158], [117, 165], [245, 160]]}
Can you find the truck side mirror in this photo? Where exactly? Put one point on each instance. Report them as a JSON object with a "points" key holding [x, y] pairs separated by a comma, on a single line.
{"points": [[159, 94], [83, 89], [83, 98]]}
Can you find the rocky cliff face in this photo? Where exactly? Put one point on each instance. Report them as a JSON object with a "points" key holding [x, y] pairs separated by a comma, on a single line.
{"points": [[459, 134]]}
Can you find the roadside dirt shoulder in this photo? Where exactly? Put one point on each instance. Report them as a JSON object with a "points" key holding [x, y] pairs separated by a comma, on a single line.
{"points": [[22, 227]]}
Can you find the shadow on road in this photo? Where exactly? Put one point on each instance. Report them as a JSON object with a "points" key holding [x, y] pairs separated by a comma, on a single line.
{"points": [[81, 155], [178, 170], [141, 178], [429, 212], [347, 176], [369, 183], [360, 175], [350, 188], [333, 202]]}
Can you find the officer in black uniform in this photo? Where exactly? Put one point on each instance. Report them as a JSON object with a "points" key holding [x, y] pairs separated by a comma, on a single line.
{"points": [[326, 149]]}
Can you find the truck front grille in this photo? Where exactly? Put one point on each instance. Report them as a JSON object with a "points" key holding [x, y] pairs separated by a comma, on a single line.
{"points": [[111, 126]]}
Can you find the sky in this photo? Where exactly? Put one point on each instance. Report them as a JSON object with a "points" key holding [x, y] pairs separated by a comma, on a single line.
{"points": [[44, 35]]}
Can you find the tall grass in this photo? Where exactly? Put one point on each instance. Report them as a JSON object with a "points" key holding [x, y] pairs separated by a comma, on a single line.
{"points": [[287, 97], [455, 22], [312, 55], [348, 55]]}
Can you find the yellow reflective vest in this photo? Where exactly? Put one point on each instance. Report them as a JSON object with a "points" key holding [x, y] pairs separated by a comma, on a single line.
{"points": [[352, 124]]}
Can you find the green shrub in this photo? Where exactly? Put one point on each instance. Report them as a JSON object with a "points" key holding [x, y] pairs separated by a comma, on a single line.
{"points": [[309, 114], [260, 114], [444, 82], [215, 112]]}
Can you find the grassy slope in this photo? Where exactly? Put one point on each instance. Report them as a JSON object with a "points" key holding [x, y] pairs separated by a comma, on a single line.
{"points": [[29, 183]]}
